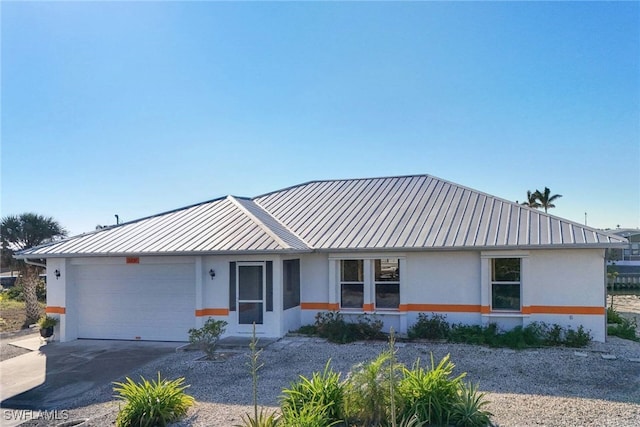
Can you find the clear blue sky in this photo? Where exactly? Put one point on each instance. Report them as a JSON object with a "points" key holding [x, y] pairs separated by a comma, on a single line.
{"points": [[138, 108]]}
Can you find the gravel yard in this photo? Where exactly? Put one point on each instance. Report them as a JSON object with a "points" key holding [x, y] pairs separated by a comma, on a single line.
{"points": [[552, 387], [548, 387]]}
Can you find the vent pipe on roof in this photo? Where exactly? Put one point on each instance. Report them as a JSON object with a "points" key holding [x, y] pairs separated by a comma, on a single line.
{"points": [[117, 219]]}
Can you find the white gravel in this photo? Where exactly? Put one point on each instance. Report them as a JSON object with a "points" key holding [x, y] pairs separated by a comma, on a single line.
{"points": [[549, 387], [542, 387]]}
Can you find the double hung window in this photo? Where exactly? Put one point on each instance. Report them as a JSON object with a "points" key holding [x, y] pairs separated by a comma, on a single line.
{"points": [[387, 283], [505, 284], [366, 284]]}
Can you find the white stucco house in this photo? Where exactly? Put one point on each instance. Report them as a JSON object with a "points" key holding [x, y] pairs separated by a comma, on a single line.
{"points": [[393, 246]]}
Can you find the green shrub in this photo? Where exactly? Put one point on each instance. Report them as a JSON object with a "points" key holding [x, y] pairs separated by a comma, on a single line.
{"points": [[430, 394], [368, 391], [151, 403], [578, 338], [308, 415], [626, 329], [264, 419], [307, 330], [323, 392], [468, 409], [16, 292], [332, 326], [613, 316], [553, 335], [206, 338], [434, 327]]}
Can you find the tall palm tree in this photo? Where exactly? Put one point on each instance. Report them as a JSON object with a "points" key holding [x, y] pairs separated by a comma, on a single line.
{"points": [[532, 201], [24, 231], [545, 198]]}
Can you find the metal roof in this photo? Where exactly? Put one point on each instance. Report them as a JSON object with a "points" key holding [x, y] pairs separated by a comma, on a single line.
{"points": [[418, 212], [400, 213], [218, 226]]}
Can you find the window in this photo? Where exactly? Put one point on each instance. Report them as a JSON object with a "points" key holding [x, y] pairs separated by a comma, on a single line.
{"points": [[291, 281], [387, 283], [505, 284], [351, 283]]}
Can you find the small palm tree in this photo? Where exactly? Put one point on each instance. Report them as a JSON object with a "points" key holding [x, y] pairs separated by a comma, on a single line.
{"points": [[545, 198], [532, 201], [18, 232]]}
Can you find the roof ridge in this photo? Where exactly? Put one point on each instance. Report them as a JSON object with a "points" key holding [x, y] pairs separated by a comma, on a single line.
{"points": [[261, 223]]}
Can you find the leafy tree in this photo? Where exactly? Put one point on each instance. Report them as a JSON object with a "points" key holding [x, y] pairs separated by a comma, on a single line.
{"points": [[532, 201], [545, 198], [19, 232]]}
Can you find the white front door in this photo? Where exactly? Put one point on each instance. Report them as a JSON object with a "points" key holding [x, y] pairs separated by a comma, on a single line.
{"points": [[250, 291]]}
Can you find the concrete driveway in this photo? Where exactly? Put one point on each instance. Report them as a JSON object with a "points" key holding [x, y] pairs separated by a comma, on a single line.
{"points": [[53, 375]]}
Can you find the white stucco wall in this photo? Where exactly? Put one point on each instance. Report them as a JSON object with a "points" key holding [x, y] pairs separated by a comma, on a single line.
{"points": [[456, 284], [558, 286]]}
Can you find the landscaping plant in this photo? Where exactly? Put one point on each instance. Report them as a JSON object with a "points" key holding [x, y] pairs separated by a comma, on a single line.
{"points": [[151, 403], [332, 326], [323, 392], [468, 409], [434, 327], [206, 338], [430, 393], [368, 397], [262, 418]]}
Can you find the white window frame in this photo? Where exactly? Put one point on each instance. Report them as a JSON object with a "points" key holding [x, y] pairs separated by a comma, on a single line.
{"points": [[507, 283], [376, 283], [369, 284], [486, 267]]}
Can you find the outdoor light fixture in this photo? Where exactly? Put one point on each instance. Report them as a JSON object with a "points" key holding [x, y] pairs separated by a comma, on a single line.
{"points": [[212, 273], [57, 273]]}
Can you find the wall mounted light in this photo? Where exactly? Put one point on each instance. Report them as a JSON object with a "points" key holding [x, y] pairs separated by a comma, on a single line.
{"points": [[57, 274], [212, 273]]}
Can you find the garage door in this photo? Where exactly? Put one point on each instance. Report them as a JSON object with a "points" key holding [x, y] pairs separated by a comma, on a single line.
{"points": [[154, 302]]}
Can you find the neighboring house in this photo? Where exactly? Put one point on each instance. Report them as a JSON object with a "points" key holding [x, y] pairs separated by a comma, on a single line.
{"points": [[393, 246], [625, 261]]}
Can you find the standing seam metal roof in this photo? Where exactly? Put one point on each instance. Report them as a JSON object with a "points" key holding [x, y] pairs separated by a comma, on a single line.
{"points": [[396, 213]]}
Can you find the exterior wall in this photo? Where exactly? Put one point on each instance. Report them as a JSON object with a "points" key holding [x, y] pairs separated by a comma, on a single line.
{"points": [[557, 286], [215, 296], [572, 281]]}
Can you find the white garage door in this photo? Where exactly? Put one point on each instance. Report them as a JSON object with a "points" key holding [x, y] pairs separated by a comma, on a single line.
{"points": [[153, 302]]}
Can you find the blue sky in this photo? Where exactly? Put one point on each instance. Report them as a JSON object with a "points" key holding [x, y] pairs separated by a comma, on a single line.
{"points": [[135, 108]]}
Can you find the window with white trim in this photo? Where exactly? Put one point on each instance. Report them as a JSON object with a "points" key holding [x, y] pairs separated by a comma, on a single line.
{"points": [[505, 284], [387, 283], [352, 283]]}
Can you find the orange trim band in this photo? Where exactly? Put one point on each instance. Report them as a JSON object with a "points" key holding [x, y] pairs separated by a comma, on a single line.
{"points": [[558, 309], [55, 310], [319, 306], [452, 308], [367, 307], [212, 312]]}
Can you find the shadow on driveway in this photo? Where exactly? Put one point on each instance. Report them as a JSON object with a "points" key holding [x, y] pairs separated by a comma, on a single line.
{"points": [[59, 373]]}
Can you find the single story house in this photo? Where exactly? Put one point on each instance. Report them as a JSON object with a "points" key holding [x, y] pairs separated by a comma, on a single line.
{"points": [[394, 246]]}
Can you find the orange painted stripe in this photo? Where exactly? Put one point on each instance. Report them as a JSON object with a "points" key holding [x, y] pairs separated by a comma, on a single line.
{"points": [[467, 308], [55, 310], [559, 309], [212, 312], [318, 306], [452, 308]]}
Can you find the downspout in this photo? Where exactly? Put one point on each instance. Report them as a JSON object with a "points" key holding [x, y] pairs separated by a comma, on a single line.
{"points": [[38, 264]]}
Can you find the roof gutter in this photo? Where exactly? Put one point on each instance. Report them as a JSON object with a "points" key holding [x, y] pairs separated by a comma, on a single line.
{"points": [[38, 264]]}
